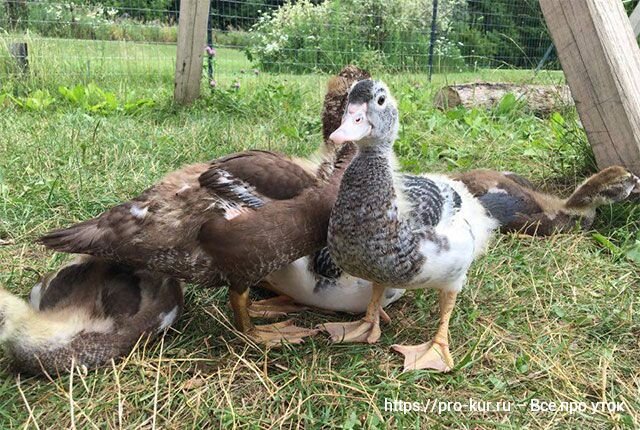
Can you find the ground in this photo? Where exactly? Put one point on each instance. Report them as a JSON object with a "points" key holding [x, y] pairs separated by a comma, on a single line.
{"points": [[553, 319]]}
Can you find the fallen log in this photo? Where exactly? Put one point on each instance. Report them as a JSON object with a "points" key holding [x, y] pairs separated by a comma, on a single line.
{"points": [[542, 100]]}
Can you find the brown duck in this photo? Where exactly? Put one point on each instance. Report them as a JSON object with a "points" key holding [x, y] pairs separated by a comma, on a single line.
{"points": [[519, 207], [229, 222], [85, 314]]}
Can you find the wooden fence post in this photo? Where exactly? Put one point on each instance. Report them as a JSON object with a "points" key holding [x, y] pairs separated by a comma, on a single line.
{"points": [[192, 37], [601, 61], [635, 20], [20, 53]]}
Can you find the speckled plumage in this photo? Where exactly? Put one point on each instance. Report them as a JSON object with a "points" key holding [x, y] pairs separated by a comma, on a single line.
{"points": [[366, 238], [390, 228]]}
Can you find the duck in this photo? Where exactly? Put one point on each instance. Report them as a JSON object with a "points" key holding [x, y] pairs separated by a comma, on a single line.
{"points": [[513, 201], [85, 314], [397, 230], [520, 208], [230, 222], [315, 281]]}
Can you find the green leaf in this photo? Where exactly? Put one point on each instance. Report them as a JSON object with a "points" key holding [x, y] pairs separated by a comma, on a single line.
{"points": [[558, 311], [351, 422], [606, 243], [522, 363], [633, 252], [506, 104]]}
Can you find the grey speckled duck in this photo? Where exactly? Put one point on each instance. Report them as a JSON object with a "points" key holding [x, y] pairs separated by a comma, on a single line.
{"points": [[85, 314], [397, 230]]}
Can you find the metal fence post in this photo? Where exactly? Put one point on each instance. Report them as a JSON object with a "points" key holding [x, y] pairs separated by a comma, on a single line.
{"points": [[210, 43], [432, 40]]}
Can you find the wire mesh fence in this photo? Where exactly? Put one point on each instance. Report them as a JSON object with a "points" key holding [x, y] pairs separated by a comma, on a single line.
{"points": [[118, 41], [104, 41]]}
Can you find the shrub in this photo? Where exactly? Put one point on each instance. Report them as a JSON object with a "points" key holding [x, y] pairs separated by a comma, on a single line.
{"points": [[303, 36], [91, 21], [232, 38]]}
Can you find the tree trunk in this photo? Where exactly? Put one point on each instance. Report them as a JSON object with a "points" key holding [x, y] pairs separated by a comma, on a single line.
{"points": [[542, 100]]}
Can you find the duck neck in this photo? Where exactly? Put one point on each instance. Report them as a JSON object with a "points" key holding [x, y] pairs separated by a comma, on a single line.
{"points": [[378, 148], [370, 178], [583, 202]]}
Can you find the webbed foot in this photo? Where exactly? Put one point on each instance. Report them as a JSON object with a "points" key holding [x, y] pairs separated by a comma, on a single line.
{"points": [[428, 355], [274, 307], [363, 331]]}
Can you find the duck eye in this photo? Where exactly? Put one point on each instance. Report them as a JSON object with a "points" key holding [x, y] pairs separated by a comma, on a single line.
{"points": [[381, 100]]}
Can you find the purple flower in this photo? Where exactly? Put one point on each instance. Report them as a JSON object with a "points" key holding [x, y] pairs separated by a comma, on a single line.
{"points": [[213, 83], [210, 51]]}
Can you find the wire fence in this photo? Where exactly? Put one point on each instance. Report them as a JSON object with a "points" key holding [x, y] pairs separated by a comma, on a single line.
{"points": [[118, 41], [108, 42]]}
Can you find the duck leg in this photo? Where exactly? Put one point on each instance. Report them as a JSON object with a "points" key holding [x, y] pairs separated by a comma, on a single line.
{"points": [[435, 353], [367, 329], [271, 334]]}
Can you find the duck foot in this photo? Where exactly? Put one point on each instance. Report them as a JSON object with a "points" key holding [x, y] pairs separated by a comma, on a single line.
{"points": [[367, 330], [276, 334], [428, 355], [359, 331], [274, 307]]}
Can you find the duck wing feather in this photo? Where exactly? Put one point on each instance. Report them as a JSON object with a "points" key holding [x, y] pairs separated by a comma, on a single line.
{"points": [[431, 202], [265, 173]]}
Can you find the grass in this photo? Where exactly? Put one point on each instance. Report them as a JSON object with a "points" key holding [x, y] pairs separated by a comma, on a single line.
{"points": [[552, 319]]}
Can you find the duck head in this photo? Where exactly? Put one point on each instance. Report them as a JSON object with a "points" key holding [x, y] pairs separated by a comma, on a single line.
{"points": [[335, 98], [371, 116], [608, 186]]}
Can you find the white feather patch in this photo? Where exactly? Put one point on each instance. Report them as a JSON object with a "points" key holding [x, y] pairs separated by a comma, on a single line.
{"points": [[166, 319], [139, 213], [497, 191], [36, 296]]}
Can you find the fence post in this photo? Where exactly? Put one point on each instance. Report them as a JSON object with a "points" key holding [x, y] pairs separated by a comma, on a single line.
{"points": [[432, 40], [192, 36], [20, 53], [210, 43], [601, 61]]}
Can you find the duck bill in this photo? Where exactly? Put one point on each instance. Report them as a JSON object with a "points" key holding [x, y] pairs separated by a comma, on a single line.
{"points": [[355, 125]]}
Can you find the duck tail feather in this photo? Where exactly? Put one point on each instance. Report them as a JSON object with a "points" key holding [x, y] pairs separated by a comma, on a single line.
{"points": [[80, 238]]}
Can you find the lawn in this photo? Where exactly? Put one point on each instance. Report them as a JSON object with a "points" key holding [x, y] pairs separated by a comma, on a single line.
{"points": [[554, 319]]}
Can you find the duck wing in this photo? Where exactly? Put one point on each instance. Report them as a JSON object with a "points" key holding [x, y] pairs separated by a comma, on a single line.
{"points": [[106, 234], [251, 175], [507, 197], [431, 202]]}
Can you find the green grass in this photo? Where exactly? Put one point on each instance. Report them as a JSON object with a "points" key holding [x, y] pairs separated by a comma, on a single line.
{"points": [[554, 319]]}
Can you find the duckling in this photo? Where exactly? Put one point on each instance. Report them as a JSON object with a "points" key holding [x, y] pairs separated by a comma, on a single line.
{"points": [[85, 314], [398, 230], [518, 207], [230, 222]]}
